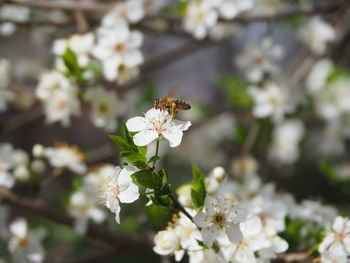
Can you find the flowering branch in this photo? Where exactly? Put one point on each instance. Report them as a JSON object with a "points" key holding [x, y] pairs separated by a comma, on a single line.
{"points": [[119, 242]]}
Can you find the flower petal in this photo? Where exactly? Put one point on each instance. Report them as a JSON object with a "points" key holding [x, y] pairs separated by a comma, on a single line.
{"points": [[209, 234], [136, 124], [173, 135], [234, 234], [130, 194], [145, 137], [202, 219]]}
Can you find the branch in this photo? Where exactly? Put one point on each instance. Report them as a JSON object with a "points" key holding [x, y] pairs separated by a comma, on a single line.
{"points": [[119, 242], [294, 257], [324, 9], [63, 5]]}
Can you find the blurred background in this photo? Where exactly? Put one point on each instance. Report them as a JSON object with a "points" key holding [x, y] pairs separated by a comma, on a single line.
{"points": [[214, 74]]}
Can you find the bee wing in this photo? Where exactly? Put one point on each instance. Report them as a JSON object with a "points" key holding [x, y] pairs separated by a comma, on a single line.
{"points": [[173, 90]]}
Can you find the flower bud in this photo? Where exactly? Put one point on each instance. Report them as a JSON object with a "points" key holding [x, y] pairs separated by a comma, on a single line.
{"points": [[38, 166], [21, 173], [166, 242], [38, 151], [218, 173], [20, 157]]}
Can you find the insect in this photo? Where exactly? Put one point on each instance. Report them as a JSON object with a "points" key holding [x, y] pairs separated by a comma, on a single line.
{"points": [[171, 105]]}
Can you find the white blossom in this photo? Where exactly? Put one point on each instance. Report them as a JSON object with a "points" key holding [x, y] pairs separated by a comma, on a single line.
{"points": [[229, 9], [118, 49], [253, 239], [316, 34], [200, 17], [66, 156], [105, 107], [49, 82], [157, 123], [83, 206], [168, 242], [338, 238], [131, 11], [221, 215], [80, 44], [317, 78], [100, 175], [61, 106], [271, 100], [25, 244], [259, 59], [286, 139], [6, 163], [120, 189]]}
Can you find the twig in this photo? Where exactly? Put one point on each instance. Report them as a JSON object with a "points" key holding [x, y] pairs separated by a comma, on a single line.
{"points": [[119, 242], [101, 7], [294, 257], [21, 119], [179, 207], [36, 22], [249, 142], [288, 13], [70, 6]]}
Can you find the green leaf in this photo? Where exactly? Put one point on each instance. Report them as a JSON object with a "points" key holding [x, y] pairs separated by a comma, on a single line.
{"points": [[133, 158], [147, 179], [161, 200], [164, 177], [198, 192], [153, 159], [180, 8], [71, 62], [293, 21], [142, 150], [121, 143], [328, 171], [236, 91]]}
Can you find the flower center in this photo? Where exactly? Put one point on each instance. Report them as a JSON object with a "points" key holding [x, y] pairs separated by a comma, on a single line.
{"points": [[200, 16], [258, 60], [23, 242], [339, 237], [102, 108], [219, 219], [62, 105], [119, 47]]}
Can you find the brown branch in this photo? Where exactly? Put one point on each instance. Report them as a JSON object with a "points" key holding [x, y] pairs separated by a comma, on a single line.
{"points": [[101, 7], [63, 5], [37, 22], [121, 243], [322, 9], [294, 257]]}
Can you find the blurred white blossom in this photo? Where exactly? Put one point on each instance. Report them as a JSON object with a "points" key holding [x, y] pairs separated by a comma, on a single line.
{"points": [[259, 59], [316, 34]]}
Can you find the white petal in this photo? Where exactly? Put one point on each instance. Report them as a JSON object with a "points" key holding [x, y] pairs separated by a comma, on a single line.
{"points": [[145, 137], [130, 194], [209, 235], [174, 136], [202, 219], [339, 223], [182, 125], [136, 124], [234, 234], [19, 228]]}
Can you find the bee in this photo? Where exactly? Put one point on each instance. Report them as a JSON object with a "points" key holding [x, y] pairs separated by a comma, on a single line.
{"points": [[171, 105]]}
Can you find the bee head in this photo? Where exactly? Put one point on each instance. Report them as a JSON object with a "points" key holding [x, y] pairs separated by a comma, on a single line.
{"points": [[156, 103]]}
